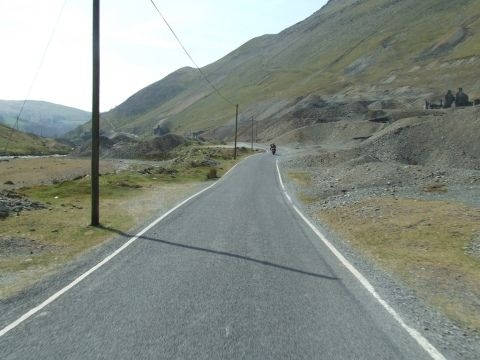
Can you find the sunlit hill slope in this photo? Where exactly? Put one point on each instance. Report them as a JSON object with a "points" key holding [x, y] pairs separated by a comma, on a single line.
{"points": [[13, 142], [349, 50]]}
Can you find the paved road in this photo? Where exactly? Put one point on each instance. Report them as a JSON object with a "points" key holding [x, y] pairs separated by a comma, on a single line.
{"points": [[233, 274]]}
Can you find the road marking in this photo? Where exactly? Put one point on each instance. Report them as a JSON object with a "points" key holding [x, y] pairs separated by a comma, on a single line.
{"points": [[424, 343], [59, 293]]}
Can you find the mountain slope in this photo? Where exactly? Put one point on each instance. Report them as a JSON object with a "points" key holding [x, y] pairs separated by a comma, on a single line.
{"points": [[42, 118], [349, 50], [20, 143]]}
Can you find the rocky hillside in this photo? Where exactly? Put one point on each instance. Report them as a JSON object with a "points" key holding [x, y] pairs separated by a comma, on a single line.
{"points": [[125, 146], [337, 63], [42, 118]]}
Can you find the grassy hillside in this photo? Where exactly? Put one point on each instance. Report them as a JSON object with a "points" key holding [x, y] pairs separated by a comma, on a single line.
{"points": [[42, 118], [28, 144], [350, 49]]}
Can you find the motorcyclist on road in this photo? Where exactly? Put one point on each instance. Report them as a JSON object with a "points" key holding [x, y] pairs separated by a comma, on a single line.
{"points": [[273, 148]]}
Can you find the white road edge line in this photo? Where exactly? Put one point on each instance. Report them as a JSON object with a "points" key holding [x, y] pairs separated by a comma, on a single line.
{"points": [[59, 293], [424, 343]]}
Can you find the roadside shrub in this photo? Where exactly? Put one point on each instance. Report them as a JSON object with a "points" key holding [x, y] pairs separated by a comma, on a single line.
{"points": [[436, 188], [212, 174]]}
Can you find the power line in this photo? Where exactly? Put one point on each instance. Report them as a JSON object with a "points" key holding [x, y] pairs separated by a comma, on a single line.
{"points": [[37, 72], [191, 58]]}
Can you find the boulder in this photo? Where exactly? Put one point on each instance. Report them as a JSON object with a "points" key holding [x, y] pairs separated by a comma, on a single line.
{"points": [[3, 211]]}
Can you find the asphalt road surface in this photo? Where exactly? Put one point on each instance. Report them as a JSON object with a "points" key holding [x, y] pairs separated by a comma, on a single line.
{"points": [[232, 274]]}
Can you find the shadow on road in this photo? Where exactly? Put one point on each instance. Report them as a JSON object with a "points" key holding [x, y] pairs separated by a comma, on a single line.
{"points": [[223, 253]]}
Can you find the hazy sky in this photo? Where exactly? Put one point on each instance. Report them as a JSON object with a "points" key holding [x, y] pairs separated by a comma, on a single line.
{"points": [[137, 48]]}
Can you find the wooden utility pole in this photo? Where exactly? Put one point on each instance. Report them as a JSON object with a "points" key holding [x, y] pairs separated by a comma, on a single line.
{"points": [[252, 133], [96, 114], [236, 130]]}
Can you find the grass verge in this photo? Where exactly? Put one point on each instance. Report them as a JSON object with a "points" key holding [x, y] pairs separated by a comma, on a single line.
{"points": [[424, 244], [37, 243], [302, 178]]}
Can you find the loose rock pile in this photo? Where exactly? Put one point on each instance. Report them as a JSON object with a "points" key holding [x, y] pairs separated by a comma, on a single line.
{"points": [[13, 202]]}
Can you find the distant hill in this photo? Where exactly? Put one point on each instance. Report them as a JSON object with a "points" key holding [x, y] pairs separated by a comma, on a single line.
{"points": [[386, 51], [28, 144], [42, 118]]}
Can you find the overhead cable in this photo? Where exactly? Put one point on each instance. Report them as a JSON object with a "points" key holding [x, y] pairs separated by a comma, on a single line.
{"points": [[190, 57], [37, 72]]}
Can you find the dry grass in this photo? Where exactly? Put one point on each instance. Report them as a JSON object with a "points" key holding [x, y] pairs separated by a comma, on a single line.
{"points": [[64, 228], [62, 232], [306, 198], [302, 178], [436, 188], [35, 171], [423, 243]]}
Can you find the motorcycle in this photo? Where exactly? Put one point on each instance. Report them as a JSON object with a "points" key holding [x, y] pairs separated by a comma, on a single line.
{"points": [[273, 150]]}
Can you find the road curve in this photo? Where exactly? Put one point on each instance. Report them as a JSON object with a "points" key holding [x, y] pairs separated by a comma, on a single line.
{"points": [[232, 274]]}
